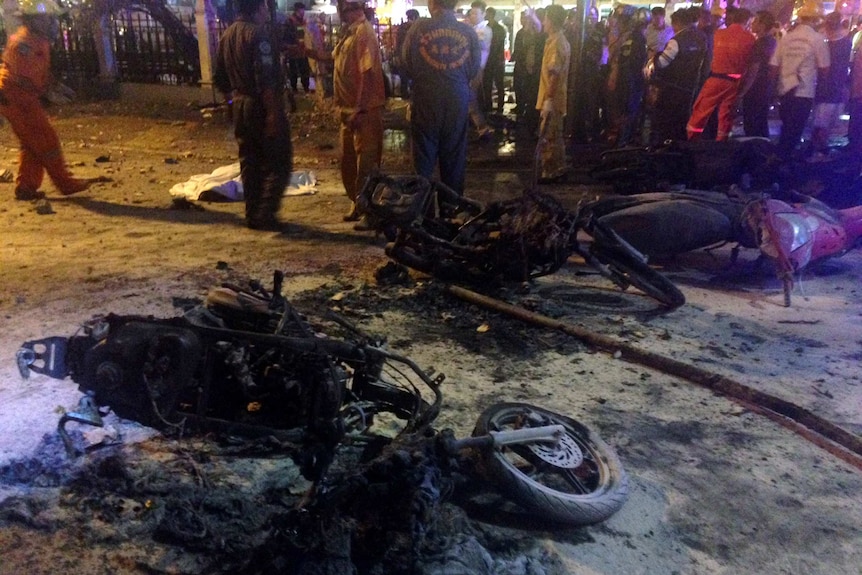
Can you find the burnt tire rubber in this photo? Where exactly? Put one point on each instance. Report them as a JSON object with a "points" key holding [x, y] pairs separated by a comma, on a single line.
{"points": [[592, 491], [631, 270]]}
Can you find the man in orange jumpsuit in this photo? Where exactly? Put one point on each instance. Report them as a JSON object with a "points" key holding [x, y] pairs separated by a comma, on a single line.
{"points": [[24, 78], [731, 54]]}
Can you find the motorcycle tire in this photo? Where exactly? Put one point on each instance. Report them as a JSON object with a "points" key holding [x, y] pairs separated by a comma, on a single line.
{"points": [[629, 270], [581, 484]]}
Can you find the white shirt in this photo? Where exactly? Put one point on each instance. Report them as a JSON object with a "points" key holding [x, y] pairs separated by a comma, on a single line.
{"points": [[800, 53], [485, 34], [657, 39]]}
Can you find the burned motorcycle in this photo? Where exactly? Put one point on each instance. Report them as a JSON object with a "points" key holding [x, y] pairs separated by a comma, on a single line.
{"points": [[434, 230], [703, 165], [247, 363]]}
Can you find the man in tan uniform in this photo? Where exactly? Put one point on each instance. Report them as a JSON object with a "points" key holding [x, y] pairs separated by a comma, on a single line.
{"points": [[360, 97], [552, 95]]}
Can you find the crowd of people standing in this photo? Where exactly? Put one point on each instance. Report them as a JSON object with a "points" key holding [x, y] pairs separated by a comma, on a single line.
{"points": [[691, 79], [639, 77]]}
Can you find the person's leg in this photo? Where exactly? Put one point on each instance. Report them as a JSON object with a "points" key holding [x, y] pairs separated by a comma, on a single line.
{"points": [[40, 151], [424, 148], [500, 83], [276, 166], [368, 143], [755, 115], [794, 114], [670, 115], [248, 130], [453, 149], [293, 65], [486, 91], [553, 157], [252, 181], [708, 98], [727, 113], [30, 175], [520, 95], [305, 74], [348, 160]]}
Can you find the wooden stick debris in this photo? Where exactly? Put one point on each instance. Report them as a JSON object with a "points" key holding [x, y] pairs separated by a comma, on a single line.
{"points": [[842, 443]]}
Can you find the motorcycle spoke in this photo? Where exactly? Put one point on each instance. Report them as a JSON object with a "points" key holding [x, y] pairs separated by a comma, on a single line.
{"points": [[580, 480]]}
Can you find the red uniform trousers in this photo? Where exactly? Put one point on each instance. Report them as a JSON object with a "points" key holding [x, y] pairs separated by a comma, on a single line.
{"points": [[40, 147], [719, 91]]}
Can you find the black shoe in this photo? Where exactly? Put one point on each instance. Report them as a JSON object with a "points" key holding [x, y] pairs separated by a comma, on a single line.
{"points": [[352, 216], [28, 195], [363, 225]]}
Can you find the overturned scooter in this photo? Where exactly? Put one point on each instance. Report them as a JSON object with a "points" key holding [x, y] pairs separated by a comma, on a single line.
{"points": [[794, 232]]}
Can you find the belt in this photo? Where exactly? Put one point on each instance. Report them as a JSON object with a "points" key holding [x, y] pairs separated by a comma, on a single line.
{"points": [[731, 77]]}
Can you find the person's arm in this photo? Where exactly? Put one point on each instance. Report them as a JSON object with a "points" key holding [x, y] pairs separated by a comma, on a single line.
{"points": [[553, 69], [823, 62], [531, 14], [748, 79], [266, 75], [666, 56], [221, 80], [367, 59]]}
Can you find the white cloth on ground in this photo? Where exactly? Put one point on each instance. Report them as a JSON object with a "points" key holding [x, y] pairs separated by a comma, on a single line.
{"points": [[224, 185]]}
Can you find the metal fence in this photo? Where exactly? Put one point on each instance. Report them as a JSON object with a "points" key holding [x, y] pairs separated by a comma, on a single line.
{"points": [[146, 53], [73, 57], [144, 50]]}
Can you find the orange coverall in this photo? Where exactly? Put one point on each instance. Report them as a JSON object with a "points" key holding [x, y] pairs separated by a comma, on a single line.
{"points": [[24, 77], [730, 58]]}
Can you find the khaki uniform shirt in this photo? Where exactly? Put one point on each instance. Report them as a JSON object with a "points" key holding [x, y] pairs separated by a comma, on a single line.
{"points": [[555, 60], [358, 53]]}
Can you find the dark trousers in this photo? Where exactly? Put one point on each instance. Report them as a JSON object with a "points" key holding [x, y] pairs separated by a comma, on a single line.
{"points": [[670, 115], [526, 93], [265, 162], [755, 115], [794, 114], [299, 71], [493, 77], [441, 139]]}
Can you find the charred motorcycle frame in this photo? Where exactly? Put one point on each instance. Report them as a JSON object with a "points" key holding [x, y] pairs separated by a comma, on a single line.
{"points": [[248, 363], [435, 230]]}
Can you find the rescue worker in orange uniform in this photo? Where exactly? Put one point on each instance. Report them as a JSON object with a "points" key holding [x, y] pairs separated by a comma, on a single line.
{"points": [[24, 79], [732, 47]]}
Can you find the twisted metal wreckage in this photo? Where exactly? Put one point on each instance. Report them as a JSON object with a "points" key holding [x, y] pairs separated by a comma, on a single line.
{"points": [[247, 363]]}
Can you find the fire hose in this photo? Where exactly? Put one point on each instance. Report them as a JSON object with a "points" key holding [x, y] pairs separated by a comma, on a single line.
{"points": [[817, 430]]}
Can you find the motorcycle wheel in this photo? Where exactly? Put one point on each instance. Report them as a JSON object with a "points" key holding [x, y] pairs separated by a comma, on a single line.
{"points": [[628, 270], [579, 483]]}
